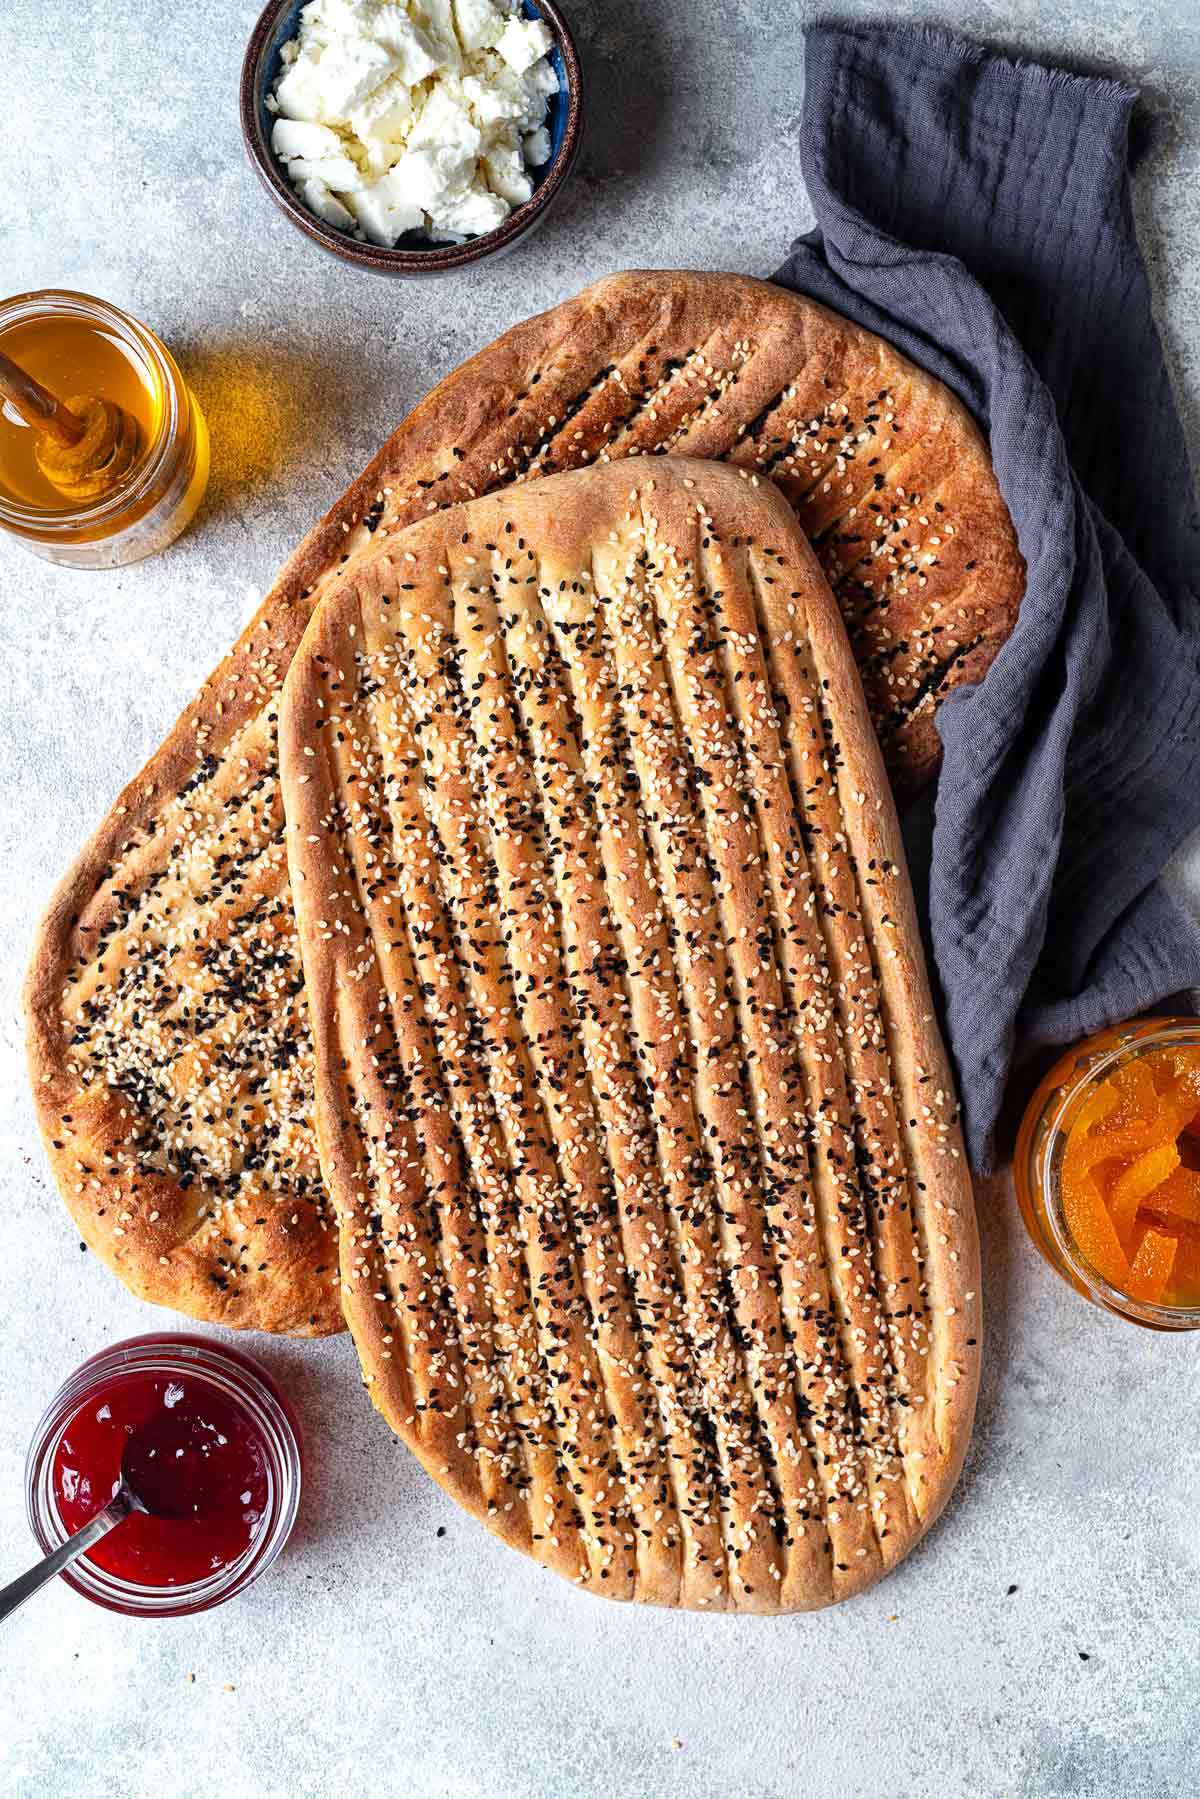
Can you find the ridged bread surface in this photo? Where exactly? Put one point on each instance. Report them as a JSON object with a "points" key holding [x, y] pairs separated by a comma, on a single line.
{"points": [[657, 1239]]}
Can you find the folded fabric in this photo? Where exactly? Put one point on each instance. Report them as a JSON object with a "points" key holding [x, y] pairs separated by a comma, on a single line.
{"points": [[975, 212]]}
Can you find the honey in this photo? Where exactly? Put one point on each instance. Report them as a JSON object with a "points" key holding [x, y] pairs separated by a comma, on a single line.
{"points": [[70, 356], [76, 345]]}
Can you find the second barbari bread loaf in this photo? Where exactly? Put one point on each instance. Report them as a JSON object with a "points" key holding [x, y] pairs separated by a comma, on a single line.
{"points": [[656, 1235]]}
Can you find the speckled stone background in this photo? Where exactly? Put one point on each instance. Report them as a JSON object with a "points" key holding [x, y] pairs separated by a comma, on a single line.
{"points": [[380, 1657]]}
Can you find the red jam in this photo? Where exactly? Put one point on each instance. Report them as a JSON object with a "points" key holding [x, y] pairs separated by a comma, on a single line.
{"points": [[193, 1456]]}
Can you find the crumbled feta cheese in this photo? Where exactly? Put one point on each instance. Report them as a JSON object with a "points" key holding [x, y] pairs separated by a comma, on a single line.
{"points": [[385, 210], [417, 53], [327, 206], [478, 23], [337, 172], [537, 147], [445, 123], [413, 115], [292, 137], [298, 91], [439, 23], [432, 177], [506, 173], [541, 78], [506, 99], [341, 15], [350, 69], [383, 115], [471, 214], [522, 42]]}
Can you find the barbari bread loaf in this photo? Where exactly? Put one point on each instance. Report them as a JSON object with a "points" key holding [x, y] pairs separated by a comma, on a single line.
{"points": [[168, 1045], [657, 1238]]}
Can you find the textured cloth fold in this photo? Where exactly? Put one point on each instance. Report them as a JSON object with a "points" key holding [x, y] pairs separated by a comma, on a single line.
{"points": [[975, 212]]}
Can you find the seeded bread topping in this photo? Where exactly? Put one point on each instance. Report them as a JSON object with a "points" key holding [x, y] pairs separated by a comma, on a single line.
{"points": [[657, 1240], [885, 472]]}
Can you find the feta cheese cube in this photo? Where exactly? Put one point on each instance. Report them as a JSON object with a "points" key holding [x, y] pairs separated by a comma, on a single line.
{"points": [[385, 210], [479, 23], [444, 124], [337, 172], [505, 169], [324, 205], [541, 79], [469, 214], [350, 17], [417, 54], [505, 98], [379, 158], [299, 92], [537, 147], [314, 31], [349, 70], [429, 178], [294, 137], [438, 19], [522, 42], [496, 101], [383, 115]]}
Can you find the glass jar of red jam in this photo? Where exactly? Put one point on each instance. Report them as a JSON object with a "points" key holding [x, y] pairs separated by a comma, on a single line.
{"points": [[209, 1443], [1107, 1170]]}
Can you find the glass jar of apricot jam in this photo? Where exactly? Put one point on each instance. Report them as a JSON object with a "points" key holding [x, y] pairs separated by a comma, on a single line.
{"points": [[1107, 1170]]}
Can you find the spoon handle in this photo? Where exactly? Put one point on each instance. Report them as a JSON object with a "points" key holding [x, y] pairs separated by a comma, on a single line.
{"points": [[18, 1591]]}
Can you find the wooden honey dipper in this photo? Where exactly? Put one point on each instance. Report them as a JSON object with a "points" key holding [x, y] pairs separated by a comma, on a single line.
{"points": [[85, 446]]}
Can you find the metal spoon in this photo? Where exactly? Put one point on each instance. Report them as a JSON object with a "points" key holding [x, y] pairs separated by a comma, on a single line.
{"points": [[124, 1501]]}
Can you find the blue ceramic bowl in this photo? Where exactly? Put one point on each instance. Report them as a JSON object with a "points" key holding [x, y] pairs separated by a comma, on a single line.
{"points": [[411, 255]]}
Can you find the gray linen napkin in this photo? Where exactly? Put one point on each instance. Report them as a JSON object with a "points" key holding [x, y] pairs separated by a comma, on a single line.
{"points": [[975, 212]]}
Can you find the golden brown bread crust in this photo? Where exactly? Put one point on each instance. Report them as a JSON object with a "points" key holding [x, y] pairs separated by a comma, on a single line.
{"points": [[225, 1219], [657, 1238], [888, 475]]}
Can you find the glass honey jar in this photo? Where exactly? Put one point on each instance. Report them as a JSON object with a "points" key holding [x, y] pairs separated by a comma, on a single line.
{"points": [[71, 344], [1107, 1170]]}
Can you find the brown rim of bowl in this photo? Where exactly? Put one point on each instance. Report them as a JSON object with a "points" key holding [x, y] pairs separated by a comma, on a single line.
{"points": [[438, 259]]}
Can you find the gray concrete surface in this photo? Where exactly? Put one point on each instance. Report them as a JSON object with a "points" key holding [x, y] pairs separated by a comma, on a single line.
{"points": [[379, 1657]]}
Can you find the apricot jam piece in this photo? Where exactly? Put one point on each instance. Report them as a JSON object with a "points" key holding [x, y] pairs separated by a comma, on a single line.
{"points": [[1135, 1083], [1123, 1143], [1130, 1198], [1138, 1179], [1181, 1065], [1184, 1286], [1096, 1108], [1087, 1216], [1178, 1199], [1152, 1266], [1177, 1107]]}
